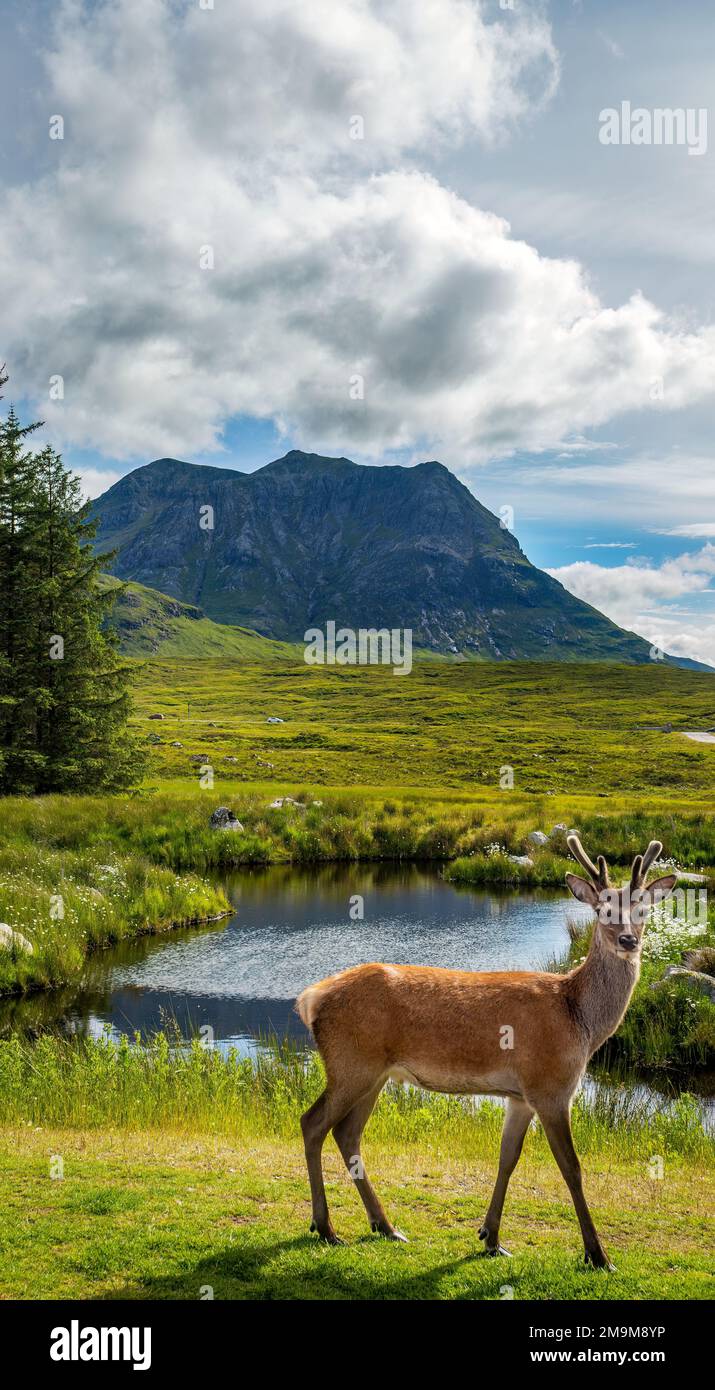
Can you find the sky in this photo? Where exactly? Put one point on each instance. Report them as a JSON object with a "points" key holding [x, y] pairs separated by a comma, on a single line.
{"points": [[385, 230]]}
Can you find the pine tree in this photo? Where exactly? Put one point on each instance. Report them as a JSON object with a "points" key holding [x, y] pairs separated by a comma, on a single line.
{"points": [[18, 769], [64, 691]]}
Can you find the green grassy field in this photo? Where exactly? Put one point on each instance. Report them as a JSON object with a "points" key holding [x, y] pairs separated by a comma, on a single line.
{"points": [[187, 1177], [182, 1172], [562, 729]]}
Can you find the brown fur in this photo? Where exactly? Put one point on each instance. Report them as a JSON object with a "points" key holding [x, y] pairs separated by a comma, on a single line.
{"points": [[523, 1035]]}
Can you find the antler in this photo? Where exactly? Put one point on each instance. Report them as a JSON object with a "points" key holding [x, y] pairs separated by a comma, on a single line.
{"points": [[598, 875], [642, 863]]}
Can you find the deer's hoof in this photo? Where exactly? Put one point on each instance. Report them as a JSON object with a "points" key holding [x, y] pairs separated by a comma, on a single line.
{"points": [[598, 1259], [388, 1232], [491, 1251], [327, 1234]]}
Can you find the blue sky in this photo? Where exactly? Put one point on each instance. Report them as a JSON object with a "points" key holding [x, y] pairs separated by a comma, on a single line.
{"points": [[563, 365]]}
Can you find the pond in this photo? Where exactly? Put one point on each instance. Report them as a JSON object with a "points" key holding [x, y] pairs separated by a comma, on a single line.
{"points": [[290, 927]]}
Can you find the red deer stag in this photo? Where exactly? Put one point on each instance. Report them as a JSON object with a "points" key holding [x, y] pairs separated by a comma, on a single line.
{"points": [[523, 1035]]}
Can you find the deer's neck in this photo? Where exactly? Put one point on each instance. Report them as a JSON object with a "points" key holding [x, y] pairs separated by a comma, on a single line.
{"points": [[601, 989]]}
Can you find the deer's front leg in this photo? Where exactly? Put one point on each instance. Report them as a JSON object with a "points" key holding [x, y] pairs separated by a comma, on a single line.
{"points": [[516, 1122], [557, 1127]]}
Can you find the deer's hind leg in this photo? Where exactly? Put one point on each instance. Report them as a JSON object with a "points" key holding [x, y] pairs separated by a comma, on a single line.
{"points": [[335, 1103], [348, 1133]]}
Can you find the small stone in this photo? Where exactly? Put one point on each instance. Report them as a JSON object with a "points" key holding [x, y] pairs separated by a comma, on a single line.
{"points": [[223, 818]]}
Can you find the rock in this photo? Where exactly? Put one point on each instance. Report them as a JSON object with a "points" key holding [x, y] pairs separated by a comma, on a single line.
{"points": [[198, 757], [559, 829], [11, 940], [273, 719], [175, 743], [224, 819], [230, 760], [155, 716], [282, 801], [684, 877], [705, 983], [702, 958], [521, 859], [537, 837]]}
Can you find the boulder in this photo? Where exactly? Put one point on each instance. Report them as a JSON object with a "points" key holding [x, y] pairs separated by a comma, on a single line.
{"points": [[11, 940], [537, 837], [230, 760], [559, 829], [522, 859], [175, 743], [273, 719], [224, 819], [702, 958], [282, 801], [705, 983], [155, 716]]}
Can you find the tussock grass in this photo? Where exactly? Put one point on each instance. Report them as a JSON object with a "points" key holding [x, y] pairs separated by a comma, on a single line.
{"points": [[84, 1083]]}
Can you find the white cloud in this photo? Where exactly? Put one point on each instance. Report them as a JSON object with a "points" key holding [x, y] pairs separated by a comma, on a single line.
{"points": [[95, 481], [333, 257], [610, 545], [639, 596], [698, 530]]}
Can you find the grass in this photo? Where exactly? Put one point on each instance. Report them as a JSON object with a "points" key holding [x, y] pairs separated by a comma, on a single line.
{"points": [[560, 729], [184, 1172], [71, 902]]}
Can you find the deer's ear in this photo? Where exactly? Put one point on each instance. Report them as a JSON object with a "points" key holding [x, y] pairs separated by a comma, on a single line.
{"points": [[663, 887], [583, 890]]}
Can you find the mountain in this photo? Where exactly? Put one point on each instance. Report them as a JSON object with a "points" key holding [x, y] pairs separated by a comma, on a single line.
{"points": [[307, 539], [149, 624]]}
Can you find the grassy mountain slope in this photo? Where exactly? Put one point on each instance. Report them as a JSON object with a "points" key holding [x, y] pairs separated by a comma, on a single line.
{"points": [[151, 624]]}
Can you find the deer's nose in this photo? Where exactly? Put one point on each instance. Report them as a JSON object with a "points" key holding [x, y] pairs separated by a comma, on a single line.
{"points": [[628, 941]]}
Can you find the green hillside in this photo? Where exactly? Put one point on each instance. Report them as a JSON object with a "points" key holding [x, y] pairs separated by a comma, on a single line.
{"points": [[149, 623]]}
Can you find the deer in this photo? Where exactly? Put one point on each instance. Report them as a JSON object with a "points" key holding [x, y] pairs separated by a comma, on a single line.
{"points": [[526, 1036]]}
